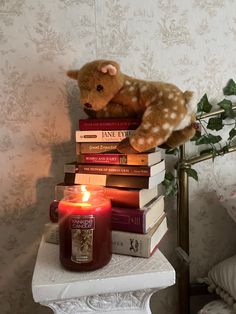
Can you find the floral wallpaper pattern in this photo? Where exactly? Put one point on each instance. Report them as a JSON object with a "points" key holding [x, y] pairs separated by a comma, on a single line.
{"points": [[190, 43]]}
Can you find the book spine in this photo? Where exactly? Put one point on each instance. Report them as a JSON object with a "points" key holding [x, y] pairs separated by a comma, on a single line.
{"points": [[124, 198], [102, 136], [87, 148], [51, 233], [131, 182], [133, 244], [114, 159], [108, 170], [128, 219], [108, 124]]}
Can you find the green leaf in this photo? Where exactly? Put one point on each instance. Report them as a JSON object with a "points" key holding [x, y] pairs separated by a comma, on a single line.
{"points": [[225, 104], [196, 136], [169, 176], [172, 151], [208, 139], [215, 124], [225, 149], [204, 105], [171, 190], [232, 134], [230, 88], [192, 173]]}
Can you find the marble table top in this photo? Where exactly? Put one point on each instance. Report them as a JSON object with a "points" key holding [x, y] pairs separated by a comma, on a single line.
{"points": [[124, 273]]}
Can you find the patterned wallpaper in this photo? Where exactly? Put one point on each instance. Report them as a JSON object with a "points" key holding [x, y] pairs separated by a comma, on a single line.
{"points": [[190, 43]]}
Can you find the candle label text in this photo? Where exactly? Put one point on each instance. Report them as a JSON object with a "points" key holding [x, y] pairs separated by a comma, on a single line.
{"points": [[82, 238]]}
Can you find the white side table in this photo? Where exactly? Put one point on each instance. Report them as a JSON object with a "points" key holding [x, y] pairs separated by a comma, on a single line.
{"points": [[124, 286]]}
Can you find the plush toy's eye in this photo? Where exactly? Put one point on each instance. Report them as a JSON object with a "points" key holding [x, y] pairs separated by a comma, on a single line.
{"points": [[99, 87]]}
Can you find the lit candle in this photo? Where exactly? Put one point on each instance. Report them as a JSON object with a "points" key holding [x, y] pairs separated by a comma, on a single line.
{"points": [[84, 228]]}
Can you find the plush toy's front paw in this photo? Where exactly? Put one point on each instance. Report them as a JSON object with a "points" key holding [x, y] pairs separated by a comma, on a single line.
{"points": [[125, 147]]}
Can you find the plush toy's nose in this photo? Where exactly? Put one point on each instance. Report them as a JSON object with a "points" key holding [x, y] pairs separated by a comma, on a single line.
{"points": [[87, 105]]}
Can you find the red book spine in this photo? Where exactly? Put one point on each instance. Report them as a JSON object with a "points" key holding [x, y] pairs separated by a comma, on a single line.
{"points": [[108, 124], [126, 198], [128, 219], [115, 159]]}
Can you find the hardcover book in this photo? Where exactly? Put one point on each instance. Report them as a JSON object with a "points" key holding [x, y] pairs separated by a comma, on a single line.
{"points": [[132, 182], [125, 243], [120, 197], [121, 170], [108, 124], [138, 220], [135, 244], [87, 148], [102, 136], [132, 198], [147, 159]]}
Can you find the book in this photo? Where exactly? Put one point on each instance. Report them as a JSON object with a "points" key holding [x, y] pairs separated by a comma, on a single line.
{"points": [[125, 243], [87, 148], [51, 233], [133, 182], [138, 220], [108, 124], [147, 159], [101, 136], [121, 170], [132, 198], [135, 244]]}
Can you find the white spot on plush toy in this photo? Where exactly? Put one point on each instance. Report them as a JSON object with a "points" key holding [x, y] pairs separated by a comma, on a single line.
{"points": [[147, 112], [175, 107], [166, 115], [182, 101], [155, 129], [134, 99], [141, 141], [170, 96], [166, 109], [153, 98], [127, 83], [131, 88], [176, 98], [166, 126], [147, 125], [150, 140], [132, 140], [173, 115], [160, 94], [143, 88]]}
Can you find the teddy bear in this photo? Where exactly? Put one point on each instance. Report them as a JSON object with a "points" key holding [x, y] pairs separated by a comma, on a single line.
{"points": [[167, 114]]}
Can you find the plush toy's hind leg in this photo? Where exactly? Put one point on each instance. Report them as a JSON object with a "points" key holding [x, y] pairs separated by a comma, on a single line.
{"points": [[155, 129], [178, 138]]}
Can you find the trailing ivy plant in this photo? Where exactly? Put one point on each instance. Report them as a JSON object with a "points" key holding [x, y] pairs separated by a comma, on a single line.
{"points": [[203, 136]]}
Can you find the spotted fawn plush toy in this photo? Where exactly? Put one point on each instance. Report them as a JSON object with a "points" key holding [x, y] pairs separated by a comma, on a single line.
{"points": [[166, 113]]}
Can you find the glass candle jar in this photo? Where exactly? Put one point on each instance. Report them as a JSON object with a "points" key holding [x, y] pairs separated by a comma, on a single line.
{"points": [[84, 228]]}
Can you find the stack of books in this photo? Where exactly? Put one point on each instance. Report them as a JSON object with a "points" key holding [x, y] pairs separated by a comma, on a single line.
{"points": [[131, 182]]}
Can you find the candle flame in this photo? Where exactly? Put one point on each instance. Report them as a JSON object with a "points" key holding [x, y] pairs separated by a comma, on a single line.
{"points": [[86, 193]]}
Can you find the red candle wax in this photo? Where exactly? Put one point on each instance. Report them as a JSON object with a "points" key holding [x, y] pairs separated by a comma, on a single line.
{"points": [[84, 229]]}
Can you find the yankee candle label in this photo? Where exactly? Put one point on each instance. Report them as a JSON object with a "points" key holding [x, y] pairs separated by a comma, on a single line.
{"points": [[82, 238], [82, 222]]}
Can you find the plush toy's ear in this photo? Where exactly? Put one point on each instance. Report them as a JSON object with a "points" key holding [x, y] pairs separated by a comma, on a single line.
{"points": [[109, 67], [73, 74]]}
